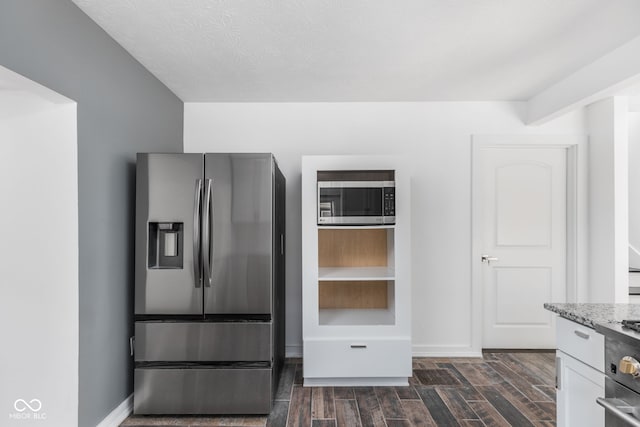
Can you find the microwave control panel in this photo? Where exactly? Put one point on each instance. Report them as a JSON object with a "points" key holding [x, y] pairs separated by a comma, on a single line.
{"points": [[389, 201]]}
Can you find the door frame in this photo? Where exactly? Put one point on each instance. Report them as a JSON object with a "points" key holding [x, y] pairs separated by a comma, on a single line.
{"points": [[577, 251]]}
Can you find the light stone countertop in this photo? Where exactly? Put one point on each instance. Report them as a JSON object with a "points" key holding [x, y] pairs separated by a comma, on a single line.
{"points": [[588, 314]]}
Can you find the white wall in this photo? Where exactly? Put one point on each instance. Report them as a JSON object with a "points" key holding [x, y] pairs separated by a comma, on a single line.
{"points": [[39, 261], [436, 137], [634, 189], [608, 200]]}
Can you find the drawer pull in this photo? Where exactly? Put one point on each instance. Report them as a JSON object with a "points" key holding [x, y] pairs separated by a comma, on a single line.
{"points": [[358, 346], [581, 334]]}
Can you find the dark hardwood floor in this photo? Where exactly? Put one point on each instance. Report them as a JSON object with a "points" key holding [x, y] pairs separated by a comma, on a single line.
{"points": [[501, 389]]}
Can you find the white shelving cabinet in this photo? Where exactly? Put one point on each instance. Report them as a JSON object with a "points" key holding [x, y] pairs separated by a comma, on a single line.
{"points": [[356, 286]]}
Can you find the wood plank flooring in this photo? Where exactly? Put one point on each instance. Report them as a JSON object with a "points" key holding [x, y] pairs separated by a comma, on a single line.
{"points": [[500, 389]]}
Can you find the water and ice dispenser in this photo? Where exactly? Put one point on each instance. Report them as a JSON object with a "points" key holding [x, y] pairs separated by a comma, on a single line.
{"points": [[166, 240]]}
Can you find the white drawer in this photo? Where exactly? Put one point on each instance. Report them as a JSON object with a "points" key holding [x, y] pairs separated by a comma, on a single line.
{"points": [[581, 342], [356, 358]]}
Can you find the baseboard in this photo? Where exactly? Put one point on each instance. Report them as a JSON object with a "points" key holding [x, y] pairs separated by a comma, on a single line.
{"points": [[119, 414], [444, 351], [293, 351]]}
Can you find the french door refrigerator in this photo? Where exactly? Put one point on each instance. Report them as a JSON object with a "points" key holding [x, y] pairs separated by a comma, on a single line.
{"points": [[209, 283]]}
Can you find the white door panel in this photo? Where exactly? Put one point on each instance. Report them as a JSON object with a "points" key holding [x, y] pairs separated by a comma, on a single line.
{"points": [[523, 206], [517, 291], [523, 198]]}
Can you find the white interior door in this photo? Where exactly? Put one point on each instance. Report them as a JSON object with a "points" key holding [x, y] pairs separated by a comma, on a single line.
{"points": [[523, 209]]}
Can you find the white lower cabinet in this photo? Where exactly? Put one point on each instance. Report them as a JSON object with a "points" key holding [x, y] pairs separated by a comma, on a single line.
{"points": [[579, 375], [578, 387], [353, 362]]}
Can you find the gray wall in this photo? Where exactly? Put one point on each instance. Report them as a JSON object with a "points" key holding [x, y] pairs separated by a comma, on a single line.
{"points": [[122, 109]]}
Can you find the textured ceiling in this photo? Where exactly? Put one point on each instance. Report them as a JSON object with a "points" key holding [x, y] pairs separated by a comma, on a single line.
{"points": [[364, 50]]}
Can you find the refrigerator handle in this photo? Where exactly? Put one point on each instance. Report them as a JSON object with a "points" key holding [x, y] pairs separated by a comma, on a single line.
{"points": [[207, 251], [196, 234]]}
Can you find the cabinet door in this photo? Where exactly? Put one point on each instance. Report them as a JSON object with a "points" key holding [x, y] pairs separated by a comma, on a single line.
{"points": [[578, 386]]}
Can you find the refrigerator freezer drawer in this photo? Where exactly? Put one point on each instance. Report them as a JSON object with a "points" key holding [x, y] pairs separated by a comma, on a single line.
{"points": [[203, 341], [202, 391]]}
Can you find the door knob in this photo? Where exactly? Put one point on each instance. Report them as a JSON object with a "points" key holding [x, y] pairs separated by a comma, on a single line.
{"points": [[488, 258]]}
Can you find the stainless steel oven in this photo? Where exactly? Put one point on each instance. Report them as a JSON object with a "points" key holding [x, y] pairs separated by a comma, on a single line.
{"points": [[621, 405], [622, 383], [356, 202]]}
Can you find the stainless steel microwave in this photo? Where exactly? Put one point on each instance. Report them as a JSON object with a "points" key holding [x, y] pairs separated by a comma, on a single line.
{"points": [[356, 202]]}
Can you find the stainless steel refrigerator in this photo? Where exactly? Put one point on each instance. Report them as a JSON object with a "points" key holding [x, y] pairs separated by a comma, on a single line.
{"points": [[209, 291]]}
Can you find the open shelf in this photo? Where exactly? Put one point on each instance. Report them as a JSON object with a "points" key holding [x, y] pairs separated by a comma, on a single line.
{"points": [[356, 302], [356, 273], [355, 247], [357, 317], [357, 295]]}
